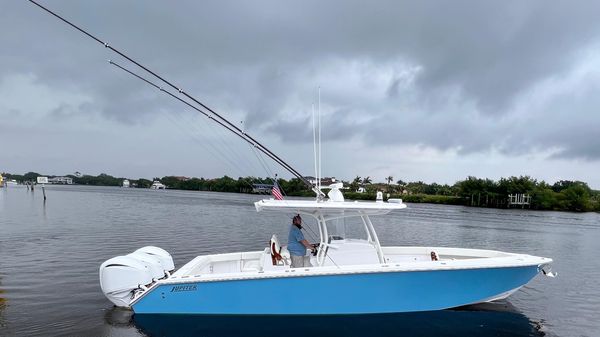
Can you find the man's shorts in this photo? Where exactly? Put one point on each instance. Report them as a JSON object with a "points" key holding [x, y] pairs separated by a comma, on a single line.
{"points": [[299, 261]]}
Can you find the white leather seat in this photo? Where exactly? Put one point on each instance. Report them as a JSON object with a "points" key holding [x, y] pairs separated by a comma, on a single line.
{"points": [[278, 250]]}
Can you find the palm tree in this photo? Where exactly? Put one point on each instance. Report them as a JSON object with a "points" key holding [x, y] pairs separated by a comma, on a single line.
{"points": [[355, 183], [389, 180], [367, 180]]}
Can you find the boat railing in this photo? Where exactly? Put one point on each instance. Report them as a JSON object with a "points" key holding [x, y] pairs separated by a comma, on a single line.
{"points": [[373, 238]]}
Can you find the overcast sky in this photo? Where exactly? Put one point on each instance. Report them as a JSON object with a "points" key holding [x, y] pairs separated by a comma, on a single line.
{"points": [[420, 90]]}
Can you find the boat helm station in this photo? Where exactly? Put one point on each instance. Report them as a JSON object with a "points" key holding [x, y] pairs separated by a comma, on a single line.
{"points": [[345, 231]]}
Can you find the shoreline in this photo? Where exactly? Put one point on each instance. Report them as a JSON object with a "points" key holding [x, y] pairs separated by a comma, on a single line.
{"points": [[355, 196]]}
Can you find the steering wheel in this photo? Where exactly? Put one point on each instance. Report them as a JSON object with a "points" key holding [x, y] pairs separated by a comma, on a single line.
{"points": [[315, 249]]}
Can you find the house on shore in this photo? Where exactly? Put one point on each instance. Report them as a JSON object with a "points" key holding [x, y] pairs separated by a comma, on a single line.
{"points": [[60, 180], [325, 181]]}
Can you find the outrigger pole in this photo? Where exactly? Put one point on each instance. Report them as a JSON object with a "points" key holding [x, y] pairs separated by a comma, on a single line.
{"points": [[249, 141], [219, 119]]}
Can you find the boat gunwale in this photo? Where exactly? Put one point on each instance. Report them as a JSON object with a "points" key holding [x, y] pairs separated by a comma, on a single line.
{"points": [[355, 269]]}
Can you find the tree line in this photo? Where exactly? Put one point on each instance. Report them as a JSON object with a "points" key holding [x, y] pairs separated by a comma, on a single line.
{"points": [[223, 184], [563, 195]]}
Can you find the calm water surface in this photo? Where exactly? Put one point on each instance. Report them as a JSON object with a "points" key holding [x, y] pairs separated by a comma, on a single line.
{"points": [[50, 254]]}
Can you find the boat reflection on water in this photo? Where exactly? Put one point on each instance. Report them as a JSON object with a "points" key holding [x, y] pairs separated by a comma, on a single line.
{"points": [[489, 319], [119, 317]]}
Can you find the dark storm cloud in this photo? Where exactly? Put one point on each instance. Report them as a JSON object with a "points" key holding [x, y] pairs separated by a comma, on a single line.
{"points": [[449, 75]]}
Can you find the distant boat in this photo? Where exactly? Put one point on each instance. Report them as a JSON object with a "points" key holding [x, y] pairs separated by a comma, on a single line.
{"points": [[126, 183], [157, 185], [11, 182]]}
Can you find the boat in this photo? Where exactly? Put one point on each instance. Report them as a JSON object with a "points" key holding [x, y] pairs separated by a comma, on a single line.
{"points": [[125, 183], [11, 182], [1, 181], [157, 185], [347, 275]]}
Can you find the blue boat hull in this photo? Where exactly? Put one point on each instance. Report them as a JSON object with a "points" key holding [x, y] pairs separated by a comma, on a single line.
{"points": [[366, 293]]}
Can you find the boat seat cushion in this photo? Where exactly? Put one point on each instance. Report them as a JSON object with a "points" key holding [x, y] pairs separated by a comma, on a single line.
{"points": [[279, 250]]}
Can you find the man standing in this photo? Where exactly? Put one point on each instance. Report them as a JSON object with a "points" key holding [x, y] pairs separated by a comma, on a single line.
{"points": [[297, 244]]}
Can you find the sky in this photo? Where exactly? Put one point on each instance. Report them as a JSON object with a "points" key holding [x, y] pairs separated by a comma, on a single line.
{"points": [[416, 90]]}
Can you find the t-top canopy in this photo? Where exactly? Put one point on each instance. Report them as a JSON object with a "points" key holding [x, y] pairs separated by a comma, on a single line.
{"points": [[328, 209]]}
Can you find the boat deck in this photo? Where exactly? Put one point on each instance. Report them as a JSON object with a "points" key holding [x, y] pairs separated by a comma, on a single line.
{"points": [[345, 254]]}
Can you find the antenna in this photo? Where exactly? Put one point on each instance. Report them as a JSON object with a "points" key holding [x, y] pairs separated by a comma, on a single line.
{"points": [[314, 129], [320, 163]]}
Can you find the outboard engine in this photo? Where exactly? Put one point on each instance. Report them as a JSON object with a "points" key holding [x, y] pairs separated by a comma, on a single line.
{"points": [[122, 276], [152, 262], [163, 255]]}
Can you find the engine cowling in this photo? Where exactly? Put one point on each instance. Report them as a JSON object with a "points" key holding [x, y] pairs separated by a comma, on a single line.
{"points": [[163, 255], [120, 276], [152, 262]]}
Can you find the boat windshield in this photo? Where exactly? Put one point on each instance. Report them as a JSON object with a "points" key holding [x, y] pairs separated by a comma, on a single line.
{"points": [[346, 228]]}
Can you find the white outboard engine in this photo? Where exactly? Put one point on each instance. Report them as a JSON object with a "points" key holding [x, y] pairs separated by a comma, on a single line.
{"points": [[161, 254], [153, 264], [121, 276]]}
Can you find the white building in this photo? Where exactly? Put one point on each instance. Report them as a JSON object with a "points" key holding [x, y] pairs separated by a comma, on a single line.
{"points": [[326, 181], [61, 180]]}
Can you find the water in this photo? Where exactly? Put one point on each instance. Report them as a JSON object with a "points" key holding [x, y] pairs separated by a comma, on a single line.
{"points": [[50, 254]]}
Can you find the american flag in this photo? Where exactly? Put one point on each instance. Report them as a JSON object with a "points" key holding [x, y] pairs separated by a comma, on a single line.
{"points": [[276, 192]]}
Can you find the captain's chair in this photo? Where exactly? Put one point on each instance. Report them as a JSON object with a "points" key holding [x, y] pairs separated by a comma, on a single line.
{"points": [[279, 255]]}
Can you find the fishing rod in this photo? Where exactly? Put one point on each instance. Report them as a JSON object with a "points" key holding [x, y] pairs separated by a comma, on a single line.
{"points": [[188, 104], [232, 127]]}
